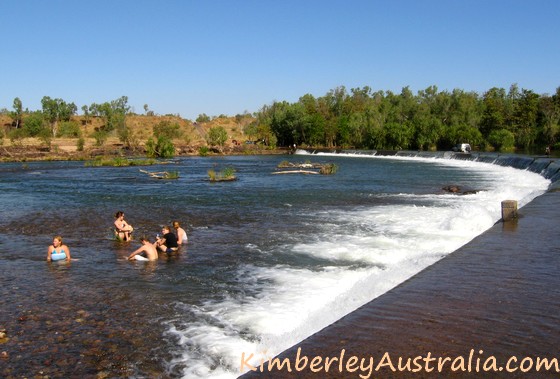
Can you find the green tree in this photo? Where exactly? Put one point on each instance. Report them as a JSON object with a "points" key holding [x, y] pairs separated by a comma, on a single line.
{"points": [[35, 124], [549, 107], [251, 130], [113, 113], [85, 111], [525, 118], [502, 140], [17, 113], [202, 118], [55, 111], [494, 114]]}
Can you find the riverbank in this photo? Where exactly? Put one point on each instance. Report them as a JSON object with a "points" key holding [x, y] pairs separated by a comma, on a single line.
{"points": [[66, 150], [492, 299]]}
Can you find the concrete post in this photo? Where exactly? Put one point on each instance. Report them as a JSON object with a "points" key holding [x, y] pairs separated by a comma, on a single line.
{"points": [[509, 210]]}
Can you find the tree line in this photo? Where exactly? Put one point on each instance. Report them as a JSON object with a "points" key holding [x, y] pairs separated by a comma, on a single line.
{"points": [[429, 120], [361, 119]]}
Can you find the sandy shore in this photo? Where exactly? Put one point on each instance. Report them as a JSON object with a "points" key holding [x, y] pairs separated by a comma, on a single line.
{"points": [[492, 299]]}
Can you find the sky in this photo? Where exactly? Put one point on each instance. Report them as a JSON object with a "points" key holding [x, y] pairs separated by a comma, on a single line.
{"points": [[190, 57]]}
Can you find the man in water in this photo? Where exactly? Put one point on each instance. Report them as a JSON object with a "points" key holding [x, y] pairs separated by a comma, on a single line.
{"points": [[147, 248], [167, 243]]}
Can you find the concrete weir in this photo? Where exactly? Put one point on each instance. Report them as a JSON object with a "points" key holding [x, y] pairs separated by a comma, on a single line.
{"points": [[488, 310]]}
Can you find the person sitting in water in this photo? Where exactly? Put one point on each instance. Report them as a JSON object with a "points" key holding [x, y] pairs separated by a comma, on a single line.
{"points": [[181, 233], [58, 251], [147, 249], [122, 229], [168, 242]]}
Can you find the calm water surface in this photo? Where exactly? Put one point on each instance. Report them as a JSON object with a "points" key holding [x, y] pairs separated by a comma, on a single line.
{"points": [[271, 259]]}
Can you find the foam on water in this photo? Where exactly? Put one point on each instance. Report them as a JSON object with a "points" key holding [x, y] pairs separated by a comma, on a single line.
{"points": [[367, 250]]}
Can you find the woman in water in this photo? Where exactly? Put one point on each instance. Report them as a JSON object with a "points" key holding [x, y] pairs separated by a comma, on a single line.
{"points": [[58, 251], [122, 229], [181, 234]]}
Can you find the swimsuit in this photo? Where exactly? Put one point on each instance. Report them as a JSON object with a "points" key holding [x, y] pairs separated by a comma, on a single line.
{"points": [[56, 256]]}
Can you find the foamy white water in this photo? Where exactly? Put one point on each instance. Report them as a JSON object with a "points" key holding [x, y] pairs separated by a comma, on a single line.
{"points": [[366, 250]]}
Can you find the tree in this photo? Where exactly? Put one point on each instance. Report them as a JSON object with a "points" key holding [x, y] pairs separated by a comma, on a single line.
{"points": [[85, 110], [525, 118], [494, 112], [57, 110], [35, 124], [550, 115], [202, 118], [17, 114], [502, 140]]}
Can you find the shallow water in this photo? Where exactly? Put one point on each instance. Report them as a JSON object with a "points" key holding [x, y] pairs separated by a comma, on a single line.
{"points": [[271, 258]]}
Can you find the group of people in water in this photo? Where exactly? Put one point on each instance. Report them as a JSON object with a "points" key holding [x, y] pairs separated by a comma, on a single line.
{"points": [[168, 242]]}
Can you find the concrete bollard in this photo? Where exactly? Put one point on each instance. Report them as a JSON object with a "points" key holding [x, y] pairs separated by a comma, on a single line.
{"points": [[509, 210]]}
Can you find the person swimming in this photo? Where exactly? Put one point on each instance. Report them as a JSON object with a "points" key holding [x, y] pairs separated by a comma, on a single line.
{"points": [[58, 251]]}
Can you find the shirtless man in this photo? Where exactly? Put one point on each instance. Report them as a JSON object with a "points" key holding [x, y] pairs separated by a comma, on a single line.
{"points": [[147, 248]]}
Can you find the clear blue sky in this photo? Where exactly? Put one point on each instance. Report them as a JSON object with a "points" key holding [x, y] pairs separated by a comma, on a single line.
{"points": [[216, 57]]}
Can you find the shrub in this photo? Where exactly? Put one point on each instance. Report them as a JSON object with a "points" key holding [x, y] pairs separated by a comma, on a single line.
{"points": [[328, 169], [100, 137], [69, 129], [203, 151], [217, 135], [227, 174], [163, 148], [46, 137], [16, 136], [167, 129]]}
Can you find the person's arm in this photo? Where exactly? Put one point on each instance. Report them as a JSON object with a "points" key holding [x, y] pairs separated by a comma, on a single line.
{"points": [[67, 249], [49, 253], [160, 241], [136, 252], [127, 227]]}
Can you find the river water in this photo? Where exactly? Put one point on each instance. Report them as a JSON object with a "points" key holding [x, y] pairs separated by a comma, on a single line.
{"points": [[271, 259]]}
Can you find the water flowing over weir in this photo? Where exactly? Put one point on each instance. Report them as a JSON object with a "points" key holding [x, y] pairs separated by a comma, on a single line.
{"points": [[271, 260], [548, 167], [492, 296]]}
